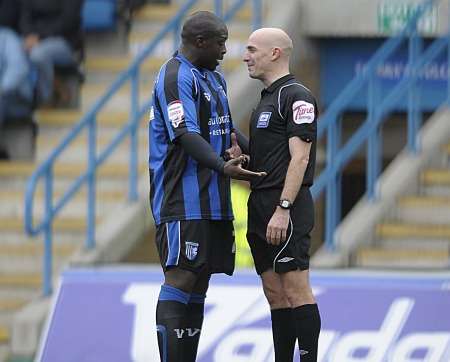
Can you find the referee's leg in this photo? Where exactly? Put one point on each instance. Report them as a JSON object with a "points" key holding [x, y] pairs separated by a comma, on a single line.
{"points": [[305, 312], [283, 329]]}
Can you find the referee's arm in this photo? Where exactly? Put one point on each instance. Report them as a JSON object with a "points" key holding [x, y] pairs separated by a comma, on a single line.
{"points": [[299, 151]]}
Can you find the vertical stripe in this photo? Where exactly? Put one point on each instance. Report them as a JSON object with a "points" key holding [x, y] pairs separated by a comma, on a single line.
{"points": [[191, 190], [204, 173], [216, 143], [223, 182], [173, 242]]}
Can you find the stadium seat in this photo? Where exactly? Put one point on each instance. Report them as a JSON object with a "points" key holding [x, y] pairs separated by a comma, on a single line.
{"points": [[99, 15]]}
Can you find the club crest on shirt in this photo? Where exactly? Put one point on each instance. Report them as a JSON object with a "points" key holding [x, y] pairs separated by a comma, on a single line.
{"points": [[191, 250], [303, 112], [207, 96], [263, 120], [175, 112]]}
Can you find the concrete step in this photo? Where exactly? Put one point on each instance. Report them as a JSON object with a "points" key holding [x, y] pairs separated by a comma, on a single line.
{"points": [[435, 177], [75, 208], [68, 118], [163, 13], [28, 257], [119, 64], [401, 258], [424, 209], [393, 230], [60, 225], [138, 40], [23, 280], [25, 169]]}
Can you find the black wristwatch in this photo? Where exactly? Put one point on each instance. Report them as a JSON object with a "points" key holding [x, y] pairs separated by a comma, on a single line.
{"points": [[285, 204]]}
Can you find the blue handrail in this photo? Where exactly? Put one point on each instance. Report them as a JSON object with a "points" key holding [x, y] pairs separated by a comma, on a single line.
{"points": [[89, 121], [378, 108]]}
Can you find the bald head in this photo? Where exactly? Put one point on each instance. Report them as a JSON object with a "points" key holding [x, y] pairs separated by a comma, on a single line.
{"points": [[270, 38], [267, 54]]}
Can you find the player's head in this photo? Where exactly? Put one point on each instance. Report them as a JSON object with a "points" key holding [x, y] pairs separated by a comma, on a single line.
{"points": [[267, 52], [204, 36]]}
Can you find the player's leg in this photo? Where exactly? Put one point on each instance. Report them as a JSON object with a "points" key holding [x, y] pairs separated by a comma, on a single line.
{"points": [[305, 312], [182, 262], [194, 317], [283, 329]]}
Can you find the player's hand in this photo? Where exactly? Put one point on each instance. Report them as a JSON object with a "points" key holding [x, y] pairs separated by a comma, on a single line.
{"points": [[277, 227], [234, 151], [233, 168]]}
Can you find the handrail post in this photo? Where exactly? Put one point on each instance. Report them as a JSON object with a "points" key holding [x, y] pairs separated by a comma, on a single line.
{"points": [[257, 14], [133, 168], [333, 191], [218, 8], [48, 262], [91, 183], [373, 165], [414, 107]]}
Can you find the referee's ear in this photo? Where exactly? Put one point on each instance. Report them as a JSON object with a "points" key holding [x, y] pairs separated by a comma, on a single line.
{"points": [[276, 53]]}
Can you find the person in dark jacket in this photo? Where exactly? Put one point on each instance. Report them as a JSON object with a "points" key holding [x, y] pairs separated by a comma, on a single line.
{"points": [[15, 81], [52, 34]]}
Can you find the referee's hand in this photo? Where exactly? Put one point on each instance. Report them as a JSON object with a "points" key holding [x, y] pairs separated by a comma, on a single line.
{"points": [[233, 168]]}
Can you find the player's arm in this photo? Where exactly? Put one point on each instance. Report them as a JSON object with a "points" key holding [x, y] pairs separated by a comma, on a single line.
{"points": [[278, 224], [201, 151]]}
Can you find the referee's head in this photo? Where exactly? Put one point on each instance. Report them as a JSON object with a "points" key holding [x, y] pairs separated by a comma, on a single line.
{"points": [[267, 53], [203, 39]]}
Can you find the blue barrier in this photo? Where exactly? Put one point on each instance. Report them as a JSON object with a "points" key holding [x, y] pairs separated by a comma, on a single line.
{"points": [[88, 122], [378, 108]]}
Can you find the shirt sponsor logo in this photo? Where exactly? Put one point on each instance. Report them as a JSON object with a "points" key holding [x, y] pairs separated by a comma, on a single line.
{"points": [[263, 120], [175, 111], [191, 250], [152, 114], [303, 112], [286, 259]]}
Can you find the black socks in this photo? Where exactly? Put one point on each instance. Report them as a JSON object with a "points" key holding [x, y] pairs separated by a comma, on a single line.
{"points": [[179, 319], [307, 323], [284, 334]]}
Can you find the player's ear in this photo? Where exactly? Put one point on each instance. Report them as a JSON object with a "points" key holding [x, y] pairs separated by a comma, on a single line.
{"points": [[200, 41]]}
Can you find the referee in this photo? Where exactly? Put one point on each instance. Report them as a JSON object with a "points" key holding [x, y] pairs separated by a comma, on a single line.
{"points": [[190, 133], [280, 207]]}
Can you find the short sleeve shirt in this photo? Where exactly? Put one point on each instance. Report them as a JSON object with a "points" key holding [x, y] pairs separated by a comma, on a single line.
{"points": [[286, 109], [187, 99]]}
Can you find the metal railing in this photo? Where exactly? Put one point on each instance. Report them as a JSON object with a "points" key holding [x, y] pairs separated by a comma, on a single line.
{"points": [[379, 106], [88, 122]]}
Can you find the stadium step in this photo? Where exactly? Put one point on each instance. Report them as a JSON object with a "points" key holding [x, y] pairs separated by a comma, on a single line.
{"points": [[436, 177], [394, 230], [411, 258], [153, 12], [118, 64], [68, 118], [25, 169], [424, 209]]}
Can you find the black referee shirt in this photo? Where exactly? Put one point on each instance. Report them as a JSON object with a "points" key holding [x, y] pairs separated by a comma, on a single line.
{"points": [[286, 109]]}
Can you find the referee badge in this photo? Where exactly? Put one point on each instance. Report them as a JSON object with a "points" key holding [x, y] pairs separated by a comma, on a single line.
{"points": [[191, 250], [263, 120]]}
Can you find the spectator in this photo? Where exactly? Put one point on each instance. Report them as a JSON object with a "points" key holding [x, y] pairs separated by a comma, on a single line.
{"points": [[52, 35], [15, 81]]}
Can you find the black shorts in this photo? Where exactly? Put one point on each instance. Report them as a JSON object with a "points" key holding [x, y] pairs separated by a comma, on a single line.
{"points": [[292, 254], [197, 244]]}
